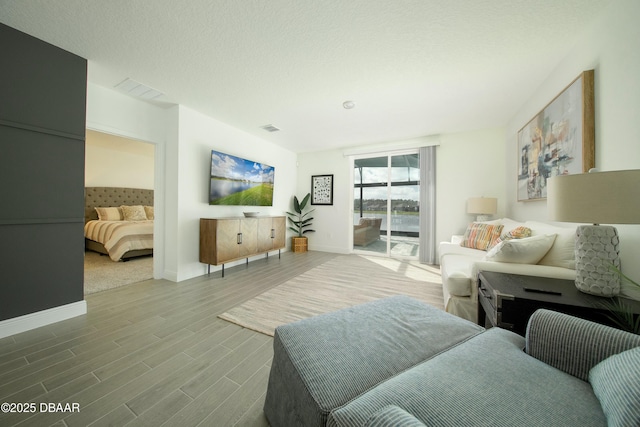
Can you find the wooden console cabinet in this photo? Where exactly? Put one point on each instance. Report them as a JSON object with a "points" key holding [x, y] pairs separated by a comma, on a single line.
{"points": [[228, 239]]}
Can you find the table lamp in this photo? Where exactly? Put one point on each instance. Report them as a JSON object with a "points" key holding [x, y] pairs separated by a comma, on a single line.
{"points": [[596, 198], [483, 207]]}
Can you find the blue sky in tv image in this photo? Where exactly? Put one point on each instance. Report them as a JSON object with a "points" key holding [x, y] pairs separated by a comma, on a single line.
{"points": [[234, 168]]}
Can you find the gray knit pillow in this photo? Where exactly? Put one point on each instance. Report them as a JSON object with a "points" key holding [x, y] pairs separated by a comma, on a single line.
{"points": [[616, 383]]}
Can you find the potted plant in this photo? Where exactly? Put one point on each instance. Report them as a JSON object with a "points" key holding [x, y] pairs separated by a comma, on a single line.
{"points": [[620, 312], [299, 223]]}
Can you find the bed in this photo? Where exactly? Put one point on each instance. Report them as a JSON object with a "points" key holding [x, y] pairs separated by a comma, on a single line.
{"points": [[119, 221]]}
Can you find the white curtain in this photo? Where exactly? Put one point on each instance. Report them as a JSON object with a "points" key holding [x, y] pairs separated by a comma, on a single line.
{"points": [[428, 205]]}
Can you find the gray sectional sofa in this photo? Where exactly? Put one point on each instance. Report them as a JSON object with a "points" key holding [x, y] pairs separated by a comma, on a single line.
{"points": [[400, 362]]}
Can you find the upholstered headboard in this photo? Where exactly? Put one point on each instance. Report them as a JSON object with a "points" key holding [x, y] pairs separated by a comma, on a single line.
{"points": [[113, 196]]}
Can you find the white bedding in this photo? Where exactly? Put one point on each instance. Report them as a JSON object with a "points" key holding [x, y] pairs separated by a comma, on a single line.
{"points": [[120, 237]]}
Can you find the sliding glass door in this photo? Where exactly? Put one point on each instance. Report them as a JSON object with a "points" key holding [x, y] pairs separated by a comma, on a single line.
{"points": [[386, 203]]}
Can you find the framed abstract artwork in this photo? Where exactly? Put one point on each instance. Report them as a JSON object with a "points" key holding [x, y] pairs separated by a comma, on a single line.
{"points": [[322, 190], [559, 140]]}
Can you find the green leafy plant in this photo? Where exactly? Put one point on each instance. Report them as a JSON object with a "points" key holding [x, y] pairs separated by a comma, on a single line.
{"points": [[620, 312], [299, 219]]}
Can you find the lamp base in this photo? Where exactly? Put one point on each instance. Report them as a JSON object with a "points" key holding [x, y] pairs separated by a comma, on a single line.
{"points": [[597, 249], [481, 218]]}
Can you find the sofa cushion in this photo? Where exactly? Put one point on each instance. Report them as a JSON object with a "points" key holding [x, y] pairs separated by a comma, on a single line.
{"points": [[323, 362], [529, 250], [616, 383], [480, 236], [485, 381], [562, 253]]}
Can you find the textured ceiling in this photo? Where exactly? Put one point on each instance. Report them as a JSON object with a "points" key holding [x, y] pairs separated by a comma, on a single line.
{"points": [[413, 67]]}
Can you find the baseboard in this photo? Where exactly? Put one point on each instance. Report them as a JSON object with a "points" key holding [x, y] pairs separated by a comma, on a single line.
{"points": [[42, 318]]}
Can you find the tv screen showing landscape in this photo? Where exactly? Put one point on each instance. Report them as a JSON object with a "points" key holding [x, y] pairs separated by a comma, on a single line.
{"points": [[237, 181]]}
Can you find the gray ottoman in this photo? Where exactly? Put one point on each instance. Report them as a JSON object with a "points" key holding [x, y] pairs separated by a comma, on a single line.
{"points": [[323, 362]]}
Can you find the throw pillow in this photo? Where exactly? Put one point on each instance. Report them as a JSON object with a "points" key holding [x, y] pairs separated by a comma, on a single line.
{"points": [[133, 213], [148, 210], [562, 253], [480, 236], [529, 250], [109, 214], [616, 384], [519, 232]]}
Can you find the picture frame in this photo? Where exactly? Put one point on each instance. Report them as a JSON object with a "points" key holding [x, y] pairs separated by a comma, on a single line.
{"points": [[322, 190], [559, 140]]}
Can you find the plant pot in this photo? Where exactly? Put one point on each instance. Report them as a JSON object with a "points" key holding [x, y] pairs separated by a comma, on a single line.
{"points": [[299, 244]]}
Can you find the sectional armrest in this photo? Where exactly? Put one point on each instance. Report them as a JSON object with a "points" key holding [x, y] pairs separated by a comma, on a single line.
{"points": [[574, 345]]}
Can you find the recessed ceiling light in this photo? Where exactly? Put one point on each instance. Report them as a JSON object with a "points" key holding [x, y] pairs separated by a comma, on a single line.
{"points": [[348, 105]]}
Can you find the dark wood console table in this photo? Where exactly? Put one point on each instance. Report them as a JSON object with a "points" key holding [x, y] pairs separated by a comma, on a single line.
{"points": [[509, 300]]}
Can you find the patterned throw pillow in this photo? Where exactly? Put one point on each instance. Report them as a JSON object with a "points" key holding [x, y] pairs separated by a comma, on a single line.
{"points": [[517, 233], [616, 384], [109, 214], [521, 232], [133, 213], [481, 236]]}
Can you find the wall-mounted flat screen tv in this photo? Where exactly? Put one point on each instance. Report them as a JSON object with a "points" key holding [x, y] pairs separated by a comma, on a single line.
{"points": [[237, 181]]}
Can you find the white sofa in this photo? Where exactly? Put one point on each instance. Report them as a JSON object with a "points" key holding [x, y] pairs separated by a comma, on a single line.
{"points": [[460, 265]]}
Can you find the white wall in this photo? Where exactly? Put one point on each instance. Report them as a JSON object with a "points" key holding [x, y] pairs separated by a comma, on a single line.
{"points": [[113, 161], [612, 48], [468, 164], [189, 166], [332, 223]]}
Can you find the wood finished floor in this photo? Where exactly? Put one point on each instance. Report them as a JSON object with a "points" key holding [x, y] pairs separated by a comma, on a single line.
{"points": [[151, 354]]}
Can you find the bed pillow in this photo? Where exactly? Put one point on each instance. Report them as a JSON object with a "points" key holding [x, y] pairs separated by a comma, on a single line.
{"points": [[148, 210], [529, 250], [133, 213], [616, 384], [109, 214], [481, 235]]}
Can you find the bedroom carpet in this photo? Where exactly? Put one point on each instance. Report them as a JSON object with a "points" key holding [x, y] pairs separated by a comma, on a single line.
{"points": [[100, 273], [341, 282]]}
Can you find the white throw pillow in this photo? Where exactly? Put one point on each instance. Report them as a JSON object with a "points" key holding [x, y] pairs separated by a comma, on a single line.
{"points": [[562, 253], [529, 250]]}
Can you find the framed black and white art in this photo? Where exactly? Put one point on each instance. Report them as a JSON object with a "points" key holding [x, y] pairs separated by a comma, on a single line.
{"points": [[322, 190]]}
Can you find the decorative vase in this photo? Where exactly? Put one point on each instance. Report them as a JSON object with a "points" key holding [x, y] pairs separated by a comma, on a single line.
{"points": [[299, 244], [597, 248]]}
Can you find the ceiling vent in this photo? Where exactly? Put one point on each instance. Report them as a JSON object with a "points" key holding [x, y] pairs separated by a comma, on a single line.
{"points": [[138, 90], [270, 128]]}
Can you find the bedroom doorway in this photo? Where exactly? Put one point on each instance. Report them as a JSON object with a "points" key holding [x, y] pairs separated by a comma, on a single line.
{"points": [[116, 161], [386, 204]]}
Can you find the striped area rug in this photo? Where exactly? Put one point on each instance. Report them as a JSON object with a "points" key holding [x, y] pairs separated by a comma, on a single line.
{"points": [[341, 282]]}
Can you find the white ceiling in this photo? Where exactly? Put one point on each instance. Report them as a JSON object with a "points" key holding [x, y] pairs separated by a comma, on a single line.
{"points": [[413, 67]]}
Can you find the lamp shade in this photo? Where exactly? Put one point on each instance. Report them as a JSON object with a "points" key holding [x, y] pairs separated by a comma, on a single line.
{"points": [[596, 198], [482, 205]]}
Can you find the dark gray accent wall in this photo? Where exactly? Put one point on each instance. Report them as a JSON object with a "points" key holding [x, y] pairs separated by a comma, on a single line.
{"points": [[42, 137]]}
